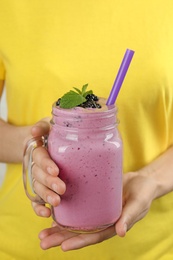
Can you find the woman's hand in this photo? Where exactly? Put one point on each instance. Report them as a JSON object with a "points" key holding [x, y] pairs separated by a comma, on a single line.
{"points": [[45, 172], [138, 194]]}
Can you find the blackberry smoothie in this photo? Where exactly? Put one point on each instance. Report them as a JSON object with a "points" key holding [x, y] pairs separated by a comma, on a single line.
{"points": [[86, 145]]}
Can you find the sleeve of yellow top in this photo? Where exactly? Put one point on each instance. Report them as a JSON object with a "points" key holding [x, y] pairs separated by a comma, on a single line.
{"points": [[2, 76], [2, 70]]}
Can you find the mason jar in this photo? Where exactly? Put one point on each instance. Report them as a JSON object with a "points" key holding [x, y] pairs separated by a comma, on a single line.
{"points": [[87, 147]]}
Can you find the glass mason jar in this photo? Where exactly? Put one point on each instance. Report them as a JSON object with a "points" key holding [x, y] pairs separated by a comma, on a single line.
{"points": [[87, 147]]}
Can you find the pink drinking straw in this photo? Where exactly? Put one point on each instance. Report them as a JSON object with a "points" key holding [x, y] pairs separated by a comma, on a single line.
{"points": [[120, 77]]}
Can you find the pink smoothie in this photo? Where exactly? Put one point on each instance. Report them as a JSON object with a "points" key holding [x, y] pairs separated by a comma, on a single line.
{"points": [[87, 147]]}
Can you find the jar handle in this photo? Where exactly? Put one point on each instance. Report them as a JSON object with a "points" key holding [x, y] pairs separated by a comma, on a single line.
{"points": [[28, 163]]}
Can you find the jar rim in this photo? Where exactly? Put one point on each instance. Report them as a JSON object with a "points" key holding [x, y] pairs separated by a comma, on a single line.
{"points": [[84, 112]]}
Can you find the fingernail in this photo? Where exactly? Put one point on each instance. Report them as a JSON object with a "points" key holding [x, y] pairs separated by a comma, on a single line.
{"points": [[52, 171], [49, 200], [43, 213]]}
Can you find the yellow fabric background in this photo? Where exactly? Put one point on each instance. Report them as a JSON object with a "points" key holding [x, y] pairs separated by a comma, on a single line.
{"points": [[46, 48]]}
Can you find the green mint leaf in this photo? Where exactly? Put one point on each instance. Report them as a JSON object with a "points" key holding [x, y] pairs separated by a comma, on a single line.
{"points": [[75, 98], [87, 93], [84, 87], [78, 90], [71, 99]]}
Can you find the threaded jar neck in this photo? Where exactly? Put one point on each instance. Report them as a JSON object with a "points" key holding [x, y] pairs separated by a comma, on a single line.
{"points": [[82, 118]]}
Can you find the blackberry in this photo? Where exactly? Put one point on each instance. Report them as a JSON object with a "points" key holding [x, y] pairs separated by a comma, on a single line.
{"points": [[58, 102], [96, 98], [98, 105], [92, 97], [85, 104], [90, 104]]}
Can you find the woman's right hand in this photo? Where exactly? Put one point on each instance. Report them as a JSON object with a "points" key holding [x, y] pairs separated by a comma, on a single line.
{"points": [[46, 183], [139, 191]]}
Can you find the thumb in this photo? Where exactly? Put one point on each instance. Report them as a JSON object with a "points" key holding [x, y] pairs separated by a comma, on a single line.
{"points": [[129, 216], [41, 128], [133, 211]]}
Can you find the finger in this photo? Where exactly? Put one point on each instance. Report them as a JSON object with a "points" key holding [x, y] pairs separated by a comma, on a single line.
{"points": [[42, 159], [54, 224], [46, 194], [41, 210], [84, 240], [133, 211], [53, 183], [55, 239], [70, 241], [49, 231]]}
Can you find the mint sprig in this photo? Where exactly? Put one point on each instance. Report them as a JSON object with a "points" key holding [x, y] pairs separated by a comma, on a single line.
{"points": [[75, 98]]}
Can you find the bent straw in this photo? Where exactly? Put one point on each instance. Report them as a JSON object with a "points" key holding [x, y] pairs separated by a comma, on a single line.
{"points": [[120, 77]]}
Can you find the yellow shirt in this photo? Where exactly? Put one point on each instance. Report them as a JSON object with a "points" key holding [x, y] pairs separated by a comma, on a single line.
{"points": [[48, 47]]}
